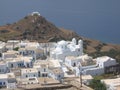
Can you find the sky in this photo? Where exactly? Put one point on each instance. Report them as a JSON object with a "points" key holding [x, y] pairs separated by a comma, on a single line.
{"points": [[97, 19]]}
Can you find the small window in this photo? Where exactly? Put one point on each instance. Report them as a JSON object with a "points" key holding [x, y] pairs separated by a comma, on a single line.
{"points": [[44, 70], [74, 64], [26, 75], [3, 83], [59, 76], [11, 65]]}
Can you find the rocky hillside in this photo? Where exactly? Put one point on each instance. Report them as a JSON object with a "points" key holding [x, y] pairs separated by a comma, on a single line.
{"points": [[36, 27]]}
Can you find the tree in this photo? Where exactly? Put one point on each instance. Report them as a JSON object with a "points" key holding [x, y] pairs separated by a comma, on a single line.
{"points": [[97, 85], [16, 49]]}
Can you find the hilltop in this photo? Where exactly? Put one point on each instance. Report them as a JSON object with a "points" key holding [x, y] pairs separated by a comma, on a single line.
{"points": [[36, 27]]}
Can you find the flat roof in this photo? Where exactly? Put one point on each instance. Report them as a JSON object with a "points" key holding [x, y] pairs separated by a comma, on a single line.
{"points": [[7, 75], [71, 57], [105, 58], [56, 70], [11, 52], [29, 70], [115, 82]]}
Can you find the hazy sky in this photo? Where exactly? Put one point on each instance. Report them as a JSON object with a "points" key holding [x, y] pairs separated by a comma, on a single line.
{"points": [[98, 19]]}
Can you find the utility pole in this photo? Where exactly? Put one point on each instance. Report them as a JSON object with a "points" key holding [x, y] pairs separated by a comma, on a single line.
{"points": [[13, 45], [80, 75]]}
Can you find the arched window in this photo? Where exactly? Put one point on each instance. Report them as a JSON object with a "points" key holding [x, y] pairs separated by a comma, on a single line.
{"points": [[74, 64]]}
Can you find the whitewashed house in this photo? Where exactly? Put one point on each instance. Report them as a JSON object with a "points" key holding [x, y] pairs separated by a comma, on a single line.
{"points": [[11, 44], [3, 67], [8, 80], [73, 61], [20, 62], [26, 81], [29, 72], [65, 48], [9, 54], [42, 67], [2, 47], [98, 68], [56, 73], [105, 61], [36, 53], [27, 43]]}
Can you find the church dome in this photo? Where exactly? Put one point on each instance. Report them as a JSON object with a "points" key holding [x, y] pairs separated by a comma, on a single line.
{"points": [[62, 43]]}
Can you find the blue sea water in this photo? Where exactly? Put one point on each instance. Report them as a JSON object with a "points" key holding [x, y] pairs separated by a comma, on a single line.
{"points": [[97, 19]]}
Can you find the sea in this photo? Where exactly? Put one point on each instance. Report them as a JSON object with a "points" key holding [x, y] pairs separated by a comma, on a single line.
{"points": [[95, 19]]}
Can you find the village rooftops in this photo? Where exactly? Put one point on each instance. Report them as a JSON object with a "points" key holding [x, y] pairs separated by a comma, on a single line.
{"points": [[28, 80], [83, 57], [7, 75], [46, 63], [56, 70], [11, 52], [41, 62], [17, 59], [54, 63], [37, 50], [29, 70]]}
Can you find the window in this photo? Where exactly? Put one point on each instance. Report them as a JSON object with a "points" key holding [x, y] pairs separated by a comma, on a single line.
{"points": [[0, 83], [59, 76], [74, 64], [43, 75], [3, 83], [44, 70], [28, 65], [11, 65], [26, 75]]}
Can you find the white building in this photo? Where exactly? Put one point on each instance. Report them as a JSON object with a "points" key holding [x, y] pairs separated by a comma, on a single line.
{"points": [[36, 53], [11, 44], [8, 80], [9, 54], [29, 80], [29, 72], [56, 73], [43, 66], [27, 43], [98, 68], [19, 62], [2, 46], [105, 61], [35, 13], [64, 48], [73, 61], [3, 68]]}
